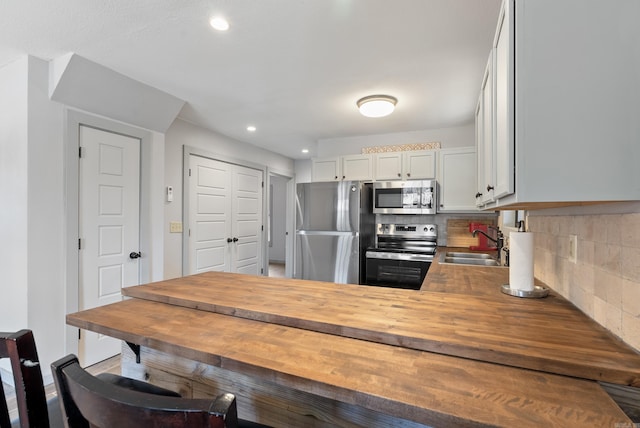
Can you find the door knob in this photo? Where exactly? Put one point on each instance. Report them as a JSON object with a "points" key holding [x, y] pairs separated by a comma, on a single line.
{"points": [[134, 255]]}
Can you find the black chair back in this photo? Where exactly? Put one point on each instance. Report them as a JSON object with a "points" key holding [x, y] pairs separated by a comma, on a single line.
{"points": [[20, 348], [88, 401]]}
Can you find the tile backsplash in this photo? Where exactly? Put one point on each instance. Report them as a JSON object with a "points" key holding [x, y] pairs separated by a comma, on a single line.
{"points": [[604, 281]]}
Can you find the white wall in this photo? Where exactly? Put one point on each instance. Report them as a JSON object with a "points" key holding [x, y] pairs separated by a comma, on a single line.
{"points": [[31, 188], [182, 133], [38, 232], [13, 194], [46, 216], [461, 136]]}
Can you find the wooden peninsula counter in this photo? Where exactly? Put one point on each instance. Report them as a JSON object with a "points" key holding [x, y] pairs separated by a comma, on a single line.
{"points": [[304, 353]]}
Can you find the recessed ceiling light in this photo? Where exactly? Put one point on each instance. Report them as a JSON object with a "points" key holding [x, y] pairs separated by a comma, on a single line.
{"points": [[251, 128], [305, 150], [377, 105], [219, 23]]}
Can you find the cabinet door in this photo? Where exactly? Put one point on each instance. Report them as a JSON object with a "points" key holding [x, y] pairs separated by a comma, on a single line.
{"points": [[325, 169], [357, 167], [479, 130], [486, 155], [457, 178], [419, 164], [503, 71], [389, 166]]}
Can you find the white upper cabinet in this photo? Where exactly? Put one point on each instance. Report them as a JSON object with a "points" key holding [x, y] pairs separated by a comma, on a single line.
{"points": [[389, 166], [326, 169], [565, 105], [457, 180], [351, 167], [411, 165], [357, 167]]}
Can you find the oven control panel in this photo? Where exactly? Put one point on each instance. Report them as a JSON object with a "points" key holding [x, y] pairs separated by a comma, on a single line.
{"points": [[408, 230]]}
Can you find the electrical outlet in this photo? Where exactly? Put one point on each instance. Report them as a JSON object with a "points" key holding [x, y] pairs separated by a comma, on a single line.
{"points": [[573, 248], [175, 227]]}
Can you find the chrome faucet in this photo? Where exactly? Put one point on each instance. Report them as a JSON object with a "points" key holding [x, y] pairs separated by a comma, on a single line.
{"points": [[499, 241]]}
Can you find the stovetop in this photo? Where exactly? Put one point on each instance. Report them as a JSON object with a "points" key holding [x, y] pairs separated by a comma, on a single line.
{"points": [[406, 238]]}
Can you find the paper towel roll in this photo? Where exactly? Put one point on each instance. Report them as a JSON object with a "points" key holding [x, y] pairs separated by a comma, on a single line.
{"points": [[521, 261]]}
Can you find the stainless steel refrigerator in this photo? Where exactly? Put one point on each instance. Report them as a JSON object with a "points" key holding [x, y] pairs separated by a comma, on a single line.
{"points": [[334, 227]]}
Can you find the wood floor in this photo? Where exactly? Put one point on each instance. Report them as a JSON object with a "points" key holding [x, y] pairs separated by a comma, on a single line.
{"points": [[111, 365], [276, 270]]}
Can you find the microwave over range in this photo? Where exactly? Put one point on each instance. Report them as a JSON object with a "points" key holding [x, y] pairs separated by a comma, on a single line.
{"points": [[404, 197]]}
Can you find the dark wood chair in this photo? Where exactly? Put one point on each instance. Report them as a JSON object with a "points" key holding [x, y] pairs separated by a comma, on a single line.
{"points": [[87, 401], [33, 409]]}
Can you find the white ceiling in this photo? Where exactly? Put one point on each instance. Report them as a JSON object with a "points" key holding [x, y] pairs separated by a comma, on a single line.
{"points": [[292, 68]]}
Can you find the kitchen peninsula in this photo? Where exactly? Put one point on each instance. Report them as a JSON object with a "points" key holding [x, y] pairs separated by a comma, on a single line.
{"points": [[304, 353]]}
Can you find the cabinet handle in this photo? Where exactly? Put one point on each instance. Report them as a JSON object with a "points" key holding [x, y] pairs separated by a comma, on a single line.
{"points": [[229, 240], [344, 176], [478, 194], [408, 174], [235, 239], [399, 175], [489, 187], [335, 178]]}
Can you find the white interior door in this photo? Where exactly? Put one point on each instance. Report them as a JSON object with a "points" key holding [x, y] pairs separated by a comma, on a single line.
{"points": [[225, 217], [247, 220], [209, 215], [108, 228]]}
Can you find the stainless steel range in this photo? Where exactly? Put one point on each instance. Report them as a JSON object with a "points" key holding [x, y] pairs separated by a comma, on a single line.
{"points": [[402, 255]]}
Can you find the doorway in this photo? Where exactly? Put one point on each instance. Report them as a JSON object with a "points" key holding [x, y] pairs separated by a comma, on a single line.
{"points": [[279, 216], [150, 217]]}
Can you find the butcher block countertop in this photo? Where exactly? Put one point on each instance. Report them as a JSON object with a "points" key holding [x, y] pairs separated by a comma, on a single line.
{"points": [[470, 319], [456, 353]]}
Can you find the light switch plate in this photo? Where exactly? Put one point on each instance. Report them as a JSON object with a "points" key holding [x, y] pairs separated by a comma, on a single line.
{"points": [[175, 227]]}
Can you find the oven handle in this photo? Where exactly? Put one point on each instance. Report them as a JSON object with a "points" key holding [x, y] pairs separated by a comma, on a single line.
{"points": [[399, 256]]}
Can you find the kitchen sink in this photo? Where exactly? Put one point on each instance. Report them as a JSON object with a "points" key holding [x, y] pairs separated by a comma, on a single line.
{"points": [[473, 259]]}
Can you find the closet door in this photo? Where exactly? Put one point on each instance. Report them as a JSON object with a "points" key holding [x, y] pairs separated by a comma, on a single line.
{"points": [[210, 216], [225, 217], [246, 225]]}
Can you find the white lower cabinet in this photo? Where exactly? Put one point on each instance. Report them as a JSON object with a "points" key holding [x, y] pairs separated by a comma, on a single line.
{"points": [[457, 180]]}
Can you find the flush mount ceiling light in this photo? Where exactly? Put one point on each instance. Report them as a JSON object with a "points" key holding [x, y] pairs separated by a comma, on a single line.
{"points": [[251, 128], [219, 23], [377, 105]]}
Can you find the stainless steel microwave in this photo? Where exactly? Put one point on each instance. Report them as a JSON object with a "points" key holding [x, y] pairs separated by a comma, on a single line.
{"points": [[404, 197]]}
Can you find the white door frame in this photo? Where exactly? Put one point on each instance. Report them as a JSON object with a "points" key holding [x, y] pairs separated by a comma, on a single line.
{"points": [[187, 151], [151, 205], [289, 219]]}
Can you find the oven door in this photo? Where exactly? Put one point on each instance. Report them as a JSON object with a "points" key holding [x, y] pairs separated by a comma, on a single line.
{"points": [[397, 270]]}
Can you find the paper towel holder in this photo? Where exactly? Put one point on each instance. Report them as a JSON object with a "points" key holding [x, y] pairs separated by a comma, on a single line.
{"points": [[538, 292]]}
